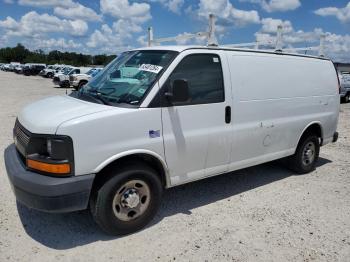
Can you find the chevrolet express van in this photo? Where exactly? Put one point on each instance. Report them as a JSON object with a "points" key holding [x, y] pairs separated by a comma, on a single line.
{"points": [[159, 117]]}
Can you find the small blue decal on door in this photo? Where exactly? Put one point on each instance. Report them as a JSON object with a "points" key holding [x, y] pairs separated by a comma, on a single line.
{"points": [[154, 133]]}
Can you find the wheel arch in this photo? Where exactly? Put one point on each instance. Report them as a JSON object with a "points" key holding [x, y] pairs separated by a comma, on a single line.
{"points": [[144, 156], [314, 127], [82, 81]]}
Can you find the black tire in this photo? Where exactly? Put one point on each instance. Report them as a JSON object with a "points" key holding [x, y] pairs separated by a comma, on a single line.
{"points": [[297, 162], [81, 84], [346, 98], [65, 84], [49, 75], [101, 202]]}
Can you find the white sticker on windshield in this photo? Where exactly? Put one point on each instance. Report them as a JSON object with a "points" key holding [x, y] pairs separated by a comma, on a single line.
{"points": [[215, 60], [151, 68]]}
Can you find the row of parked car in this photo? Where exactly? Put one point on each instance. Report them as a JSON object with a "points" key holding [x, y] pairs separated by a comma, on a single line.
{"points": [[26, 69], [63, 75], [344, 78], [70, 76]]}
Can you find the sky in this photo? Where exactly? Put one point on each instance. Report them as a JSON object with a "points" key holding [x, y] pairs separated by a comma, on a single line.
{"points": [[112, 26]]}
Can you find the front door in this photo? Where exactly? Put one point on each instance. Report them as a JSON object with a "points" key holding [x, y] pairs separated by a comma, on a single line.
{"points": [[197, 133]]}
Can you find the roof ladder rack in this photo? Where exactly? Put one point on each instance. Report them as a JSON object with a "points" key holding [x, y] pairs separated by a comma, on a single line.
{"points": [[212, 41], [210, 35]]}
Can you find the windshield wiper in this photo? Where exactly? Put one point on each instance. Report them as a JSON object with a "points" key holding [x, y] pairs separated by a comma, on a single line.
{"points": [[99, 96], [93, 97]]}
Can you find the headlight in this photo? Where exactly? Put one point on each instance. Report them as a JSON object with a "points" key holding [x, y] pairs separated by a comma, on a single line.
{"points": [[51, 155]]}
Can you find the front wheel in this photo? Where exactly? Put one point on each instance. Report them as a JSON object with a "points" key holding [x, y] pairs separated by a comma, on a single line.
{"points": [[128, 201], [81, 85], [306, 155]]}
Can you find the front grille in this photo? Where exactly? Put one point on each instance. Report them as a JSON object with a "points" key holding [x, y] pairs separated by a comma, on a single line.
{"points": [[21, 133], [22, 137], [71, 78]]}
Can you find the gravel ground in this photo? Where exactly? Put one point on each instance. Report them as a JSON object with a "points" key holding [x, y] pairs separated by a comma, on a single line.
{"points": [[263, 213]]}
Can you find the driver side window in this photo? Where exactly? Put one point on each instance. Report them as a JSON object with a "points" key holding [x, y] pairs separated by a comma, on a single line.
{"points": [[204, 76]]}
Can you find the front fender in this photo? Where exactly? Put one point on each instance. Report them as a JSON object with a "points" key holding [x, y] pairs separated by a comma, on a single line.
{"points": [[136, 152]]}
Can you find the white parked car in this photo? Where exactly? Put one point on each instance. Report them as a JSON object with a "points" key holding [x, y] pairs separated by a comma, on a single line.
{"points": [[61, 74], [159, 117], [62, 78], [77, 81], [51, 70]]}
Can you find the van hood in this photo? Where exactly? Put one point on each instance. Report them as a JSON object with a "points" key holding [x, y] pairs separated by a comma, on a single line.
{"points": [[45, 116]]}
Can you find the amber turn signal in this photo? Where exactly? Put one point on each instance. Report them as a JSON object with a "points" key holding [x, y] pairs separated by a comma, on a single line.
{"points": [[49, 168]]}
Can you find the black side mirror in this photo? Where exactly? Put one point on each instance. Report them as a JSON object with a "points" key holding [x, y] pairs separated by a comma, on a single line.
{"points": [[178, 91]]}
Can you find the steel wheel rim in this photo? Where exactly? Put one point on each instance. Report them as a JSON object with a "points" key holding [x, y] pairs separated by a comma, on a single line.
{"points": [[309, 153], [131, 200]]}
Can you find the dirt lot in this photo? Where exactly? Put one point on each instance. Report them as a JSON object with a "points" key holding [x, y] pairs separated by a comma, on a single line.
{"points": [[264, 213]]}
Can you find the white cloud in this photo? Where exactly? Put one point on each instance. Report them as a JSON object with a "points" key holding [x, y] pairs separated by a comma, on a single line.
{"points": [[46, 3], [9, 23], [122, 9], [130, 17], [59, 44], [343, 14], [65, 8], [34, 25], [226, 13], [172, 5], [77, 11], [276, 5], [125, 28], [8, 1], [111, 39], [175, 5]]}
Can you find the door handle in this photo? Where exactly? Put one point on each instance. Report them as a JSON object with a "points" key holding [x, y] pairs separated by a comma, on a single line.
{"points": [[228, 114]]}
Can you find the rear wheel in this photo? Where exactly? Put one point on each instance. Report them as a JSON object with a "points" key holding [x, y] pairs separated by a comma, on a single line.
{"points": [[128, 201], [49, 75], [306, 155]]}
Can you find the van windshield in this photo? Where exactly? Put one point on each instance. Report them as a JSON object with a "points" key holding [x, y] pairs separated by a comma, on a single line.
{"points": [[129, 77]]}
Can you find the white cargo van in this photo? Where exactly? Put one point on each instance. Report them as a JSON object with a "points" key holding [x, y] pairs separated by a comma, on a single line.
{"points": [[159, 117]]}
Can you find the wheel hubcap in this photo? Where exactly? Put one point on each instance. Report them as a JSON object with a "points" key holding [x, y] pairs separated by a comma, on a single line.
{"points": [[131, 200], [309, 153]]}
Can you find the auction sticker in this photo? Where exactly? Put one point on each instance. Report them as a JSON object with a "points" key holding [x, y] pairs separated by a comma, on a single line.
{"points": [[151, 68]]}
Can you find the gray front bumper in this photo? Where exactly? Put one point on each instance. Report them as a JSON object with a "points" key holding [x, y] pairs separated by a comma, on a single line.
{"points": [[50, 194]]}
